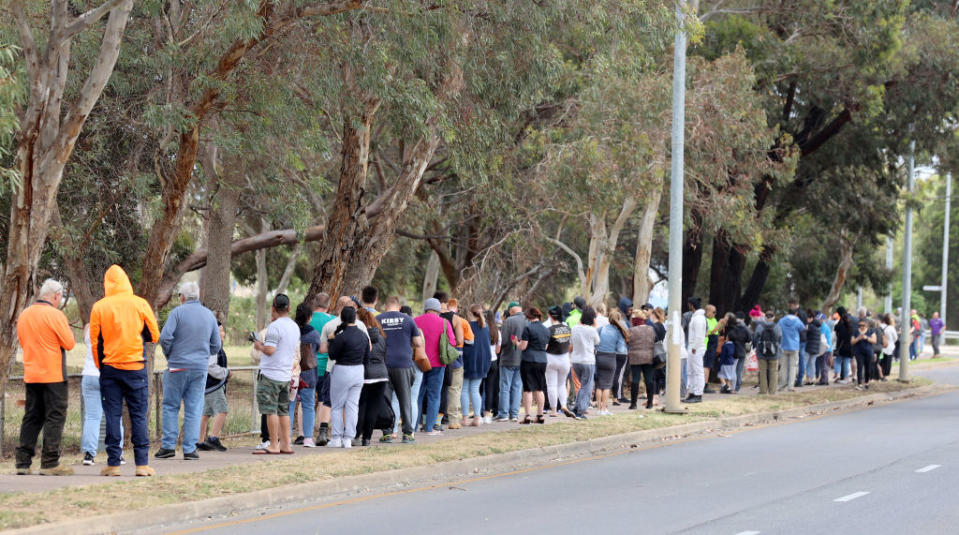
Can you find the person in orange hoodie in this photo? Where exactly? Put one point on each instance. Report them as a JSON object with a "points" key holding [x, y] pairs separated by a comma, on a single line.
{"points": [[45, 337], [120, 323]]}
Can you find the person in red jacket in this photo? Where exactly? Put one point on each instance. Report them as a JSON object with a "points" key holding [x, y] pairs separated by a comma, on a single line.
{"points": [[120, 323], [45, 337]]}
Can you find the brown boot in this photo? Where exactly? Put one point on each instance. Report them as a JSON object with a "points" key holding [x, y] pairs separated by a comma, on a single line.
{"points": [[145, 471], [58, 470], [110, 471], [24, 471]]}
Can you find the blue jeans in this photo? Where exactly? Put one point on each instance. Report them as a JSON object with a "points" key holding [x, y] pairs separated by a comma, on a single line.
{"points": [[510, 391], [841, 366], [415, 397], [92, 415], [801, 369], [471, 393], [585, 393], [188, 386], [913, 355], [740, 365], [307, 398], [429, 397], [117, 386]]}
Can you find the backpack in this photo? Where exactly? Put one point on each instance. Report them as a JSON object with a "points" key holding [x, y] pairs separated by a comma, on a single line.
{"points": [[766, 348]]}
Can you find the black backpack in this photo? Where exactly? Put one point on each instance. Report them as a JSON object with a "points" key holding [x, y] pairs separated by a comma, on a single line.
{"points": [[766, 347]]}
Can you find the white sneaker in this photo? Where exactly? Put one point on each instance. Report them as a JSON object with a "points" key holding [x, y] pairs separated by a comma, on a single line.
{"points": [[347, 444], [308, 443], [488, 420], [334, 443], [265, 445]]}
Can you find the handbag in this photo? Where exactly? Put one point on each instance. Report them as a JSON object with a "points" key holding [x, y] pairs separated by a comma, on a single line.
{"points": [[421, 360], [448, 353], [659, 355]]}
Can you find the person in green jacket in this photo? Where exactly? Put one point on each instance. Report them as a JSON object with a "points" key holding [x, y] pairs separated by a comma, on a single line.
{"points": [[576, 313]]}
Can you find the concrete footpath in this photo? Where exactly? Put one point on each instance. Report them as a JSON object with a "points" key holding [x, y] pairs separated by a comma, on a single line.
{"points": [[270, 500]]}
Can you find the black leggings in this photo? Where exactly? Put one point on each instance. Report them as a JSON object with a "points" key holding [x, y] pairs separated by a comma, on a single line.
{"points": [[863, 364], [372, 399], [647, 370], [619, 376]]}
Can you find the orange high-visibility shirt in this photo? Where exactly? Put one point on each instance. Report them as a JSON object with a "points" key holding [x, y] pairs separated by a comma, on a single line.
{"points": [[45, 337]]}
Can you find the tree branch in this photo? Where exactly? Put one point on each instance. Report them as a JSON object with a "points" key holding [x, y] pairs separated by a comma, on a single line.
{"points": [[26, 36], [89, 18]]}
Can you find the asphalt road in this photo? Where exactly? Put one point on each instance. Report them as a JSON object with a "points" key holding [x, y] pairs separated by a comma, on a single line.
{"points": [[886, 470]]}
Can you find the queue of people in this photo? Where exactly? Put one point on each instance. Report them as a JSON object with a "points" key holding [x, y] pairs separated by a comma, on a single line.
{"points": [[353, 370]]}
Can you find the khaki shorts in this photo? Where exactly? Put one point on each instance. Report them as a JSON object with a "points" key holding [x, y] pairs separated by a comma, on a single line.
{"points": [[273, 397], [215, 403]]}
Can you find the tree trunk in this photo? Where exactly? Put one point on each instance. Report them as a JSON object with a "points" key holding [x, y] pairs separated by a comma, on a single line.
{"points": [[692, 259], [432, 274], [644, 246], [602, 246], [215, 290], [717, 272], [758, 279], [842, 270], [288, 270], [262, 282], [46, 143], [82, 287], [733, 281]]}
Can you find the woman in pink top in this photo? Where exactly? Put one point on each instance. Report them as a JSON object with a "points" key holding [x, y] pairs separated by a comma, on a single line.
{"points": [[432, 326]]}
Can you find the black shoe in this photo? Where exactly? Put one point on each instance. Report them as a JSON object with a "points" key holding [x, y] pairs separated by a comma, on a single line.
{"points": [[366, 442], [203, 446], [632, 406], [164, 453], [616, 403], [192, 456], [693, 399], [298, 441], [324, 437], [88, 459], [623, 400], [214, 444], [708, 390], [725, 390]]}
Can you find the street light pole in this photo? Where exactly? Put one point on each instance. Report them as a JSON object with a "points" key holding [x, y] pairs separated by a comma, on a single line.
{"points": [[945, 251], [905, 321], [674, 337]]}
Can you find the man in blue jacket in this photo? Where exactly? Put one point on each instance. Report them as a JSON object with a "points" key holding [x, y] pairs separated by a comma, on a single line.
{"points": [[189, 336], [791, 326]]}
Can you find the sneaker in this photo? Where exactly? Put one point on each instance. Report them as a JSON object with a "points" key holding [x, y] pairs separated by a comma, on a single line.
{"points": [[632, 406], [298, 441], [324, 436], [693, 399], [24, 471], [347, 444], [122, 461], [215, 444], [500, 419], [203, 446], [455, 425], [164, 453], [192, 456], [265, 445], [58, 470], [437, 427], [434, 434], [708, 390], [334, 443], [514, 419], [386, 439], [88, 459], [487, 419], [308, 443], [365, 442], [408, 439]]}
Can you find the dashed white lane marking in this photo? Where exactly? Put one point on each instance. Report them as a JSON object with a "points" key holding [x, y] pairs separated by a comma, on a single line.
{"points": [[748, 533], [851, 497], [929, 468]]}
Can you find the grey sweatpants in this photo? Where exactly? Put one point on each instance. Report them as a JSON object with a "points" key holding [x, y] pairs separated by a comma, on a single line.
{"points": [[346, 382], [402, 381]]}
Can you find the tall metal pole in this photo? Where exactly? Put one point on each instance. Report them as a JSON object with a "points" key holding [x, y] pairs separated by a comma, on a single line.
{"points": [[887, 302], [905, 320], [675, 337], [945, 251]]}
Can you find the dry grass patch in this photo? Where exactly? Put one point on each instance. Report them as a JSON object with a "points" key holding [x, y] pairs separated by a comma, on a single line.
{"points": [[23, 509]]}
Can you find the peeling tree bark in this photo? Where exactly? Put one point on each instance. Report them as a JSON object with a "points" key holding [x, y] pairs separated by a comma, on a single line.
{"points": [[45, 144], [644, 246], [842, 271]]}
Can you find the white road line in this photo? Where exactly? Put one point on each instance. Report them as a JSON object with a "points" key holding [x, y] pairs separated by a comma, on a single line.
{"points": [[851, 497], [929, 468]]}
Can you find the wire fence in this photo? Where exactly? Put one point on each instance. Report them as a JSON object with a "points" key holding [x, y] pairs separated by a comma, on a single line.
{"points": [[243, 418]]}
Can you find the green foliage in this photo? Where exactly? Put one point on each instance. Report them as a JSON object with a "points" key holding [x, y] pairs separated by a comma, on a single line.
{"points": [[11, 98]]}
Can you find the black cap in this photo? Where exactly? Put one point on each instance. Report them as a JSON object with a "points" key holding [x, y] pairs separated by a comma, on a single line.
{"points": [[646, 306], [579, 302], [281, 303]]}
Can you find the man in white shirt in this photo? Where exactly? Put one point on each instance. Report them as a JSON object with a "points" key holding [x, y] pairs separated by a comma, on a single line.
{"points": [[697, 349], [280, 347]]}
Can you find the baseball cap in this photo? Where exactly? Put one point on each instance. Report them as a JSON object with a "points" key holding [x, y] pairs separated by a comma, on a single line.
{"points": [[432, 304]]}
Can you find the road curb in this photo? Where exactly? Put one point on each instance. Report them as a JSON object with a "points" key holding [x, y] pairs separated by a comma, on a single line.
{"points": [[272, 500]]}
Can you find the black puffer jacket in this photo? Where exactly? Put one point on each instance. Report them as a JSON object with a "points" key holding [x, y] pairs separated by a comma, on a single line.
{"points": [[813, 338], [374, 366]]}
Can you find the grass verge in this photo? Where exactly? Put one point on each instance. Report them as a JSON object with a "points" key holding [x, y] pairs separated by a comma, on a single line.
{"points": [[27, 509]]}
